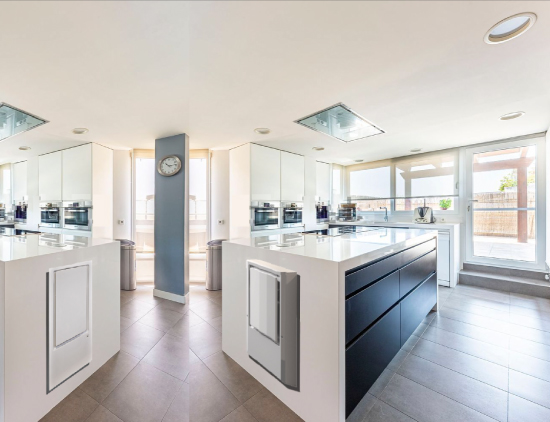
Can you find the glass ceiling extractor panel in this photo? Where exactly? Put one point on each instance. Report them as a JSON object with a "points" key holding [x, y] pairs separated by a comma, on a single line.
{"points": [[340, 122], [14, 121]]}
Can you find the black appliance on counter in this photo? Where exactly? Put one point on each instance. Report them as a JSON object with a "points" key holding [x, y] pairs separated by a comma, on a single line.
{"points": [[50, 214], [21, 213], [341, 230], [5, 231], [322, 212], [292, 214]]}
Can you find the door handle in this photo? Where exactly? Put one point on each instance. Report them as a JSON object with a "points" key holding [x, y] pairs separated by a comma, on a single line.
{"points": [[471, 200]]}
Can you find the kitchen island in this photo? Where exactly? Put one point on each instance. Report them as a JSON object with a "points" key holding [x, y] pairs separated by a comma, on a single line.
{"points": [[59, 318], [358, 297]]}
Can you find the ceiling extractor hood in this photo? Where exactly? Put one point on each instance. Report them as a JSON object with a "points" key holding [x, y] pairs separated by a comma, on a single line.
{"points": [[14, 121], [340, 122]]}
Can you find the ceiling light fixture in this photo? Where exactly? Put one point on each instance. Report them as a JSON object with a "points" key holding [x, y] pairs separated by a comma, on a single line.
{"points": [[511, 116], [80, 130], [358, 161], [24, 148], [416, 149], [318, 149], [510, 28], [14, 121], [262, 130]]}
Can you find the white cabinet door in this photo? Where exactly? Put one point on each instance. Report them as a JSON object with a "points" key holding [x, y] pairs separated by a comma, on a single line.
{"points": [[323, 181], [77, 173], [49, 176], [292, 176], [444, 257], [19, 182], [265, 173]]}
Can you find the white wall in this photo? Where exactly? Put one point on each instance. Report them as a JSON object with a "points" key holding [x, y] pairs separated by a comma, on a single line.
{"points": [[219, 194], [122, 194]]}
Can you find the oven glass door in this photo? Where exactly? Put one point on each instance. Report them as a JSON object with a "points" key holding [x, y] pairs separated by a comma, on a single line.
{"points": [[292, 216], [76, 217], [266, 217], [49, 216]]}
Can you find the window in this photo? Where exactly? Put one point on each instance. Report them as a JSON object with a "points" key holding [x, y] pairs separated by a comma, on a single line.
{"points": [[370, 188], [198, 193], [144, 173], [426, 178]]}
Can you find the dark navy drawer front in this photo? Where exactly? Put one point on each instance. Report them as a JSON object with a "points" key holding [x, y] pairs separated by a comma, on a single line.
{"points": [[366, 306], [417, 305], [367, 358], [368, 275], [413, 274], [411, 254]]}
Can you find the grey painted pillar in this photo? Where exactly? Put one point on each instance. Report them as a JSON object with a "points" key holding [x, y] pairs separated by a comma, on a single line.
{"points": [[172, 222]]}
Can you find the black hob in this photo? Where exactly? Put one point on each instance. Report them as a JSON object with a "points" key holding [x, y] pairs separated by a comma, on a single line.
{"points": [[339, 231], [5, 231]]}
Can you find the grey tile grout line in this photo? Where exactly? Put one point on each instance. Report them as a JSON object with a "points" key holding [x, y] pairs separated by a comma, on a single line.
{"points": [[170, 405]]}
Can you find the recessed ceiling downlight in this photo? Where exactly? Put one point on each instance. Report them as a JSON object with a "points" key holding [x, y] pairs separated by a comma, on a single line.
{"points": [[24, 148], [416, 149], [511, 116], [510, 28], [262, 130], [80, 130], [358, 161], [318, 149]]}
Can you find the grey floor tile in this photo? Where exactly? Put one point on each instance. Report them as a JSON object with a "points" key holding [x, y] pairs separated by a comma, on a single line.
{"points": [[265, 407], [138, 339], [362, 409], [105, 379], [521, 410], [531, 302], [397, 360], [135, 309], [465, 306], [181, 328], [529, 365], [531, 348], [216, 323], [101, 414], [76, 407], [182, 308], [420, 330], [472, 393], [206, 309], [125, 323], [179, 409], [203, 387], [381, 412], [409, 344], [171, 355], [381, 382], [529, 334], [241, 384], [144, 395], [423, 404], [477, 320], [194, 319], [529, 312], [468, 345], [474, 367], [487, 303], [473, 331], [240, 414], [204, 340], [161, 319], [530, 388], [482, 293]]}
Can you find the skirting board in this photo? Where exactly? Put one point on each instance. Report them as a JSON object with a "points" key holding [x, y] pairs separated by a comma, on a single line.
{"points": [[171, 296]]}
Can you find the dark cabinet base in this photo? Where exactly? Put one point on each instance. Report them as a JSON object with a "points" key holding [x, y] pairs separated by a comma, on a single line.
{"points": [[416, 306]]}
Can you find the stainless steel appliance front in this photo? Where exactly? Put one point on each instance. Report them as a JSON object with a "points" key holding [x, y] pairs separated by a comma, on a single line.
{"points": [[50, 214], [292, 214], [265, 215], [77, 215]]}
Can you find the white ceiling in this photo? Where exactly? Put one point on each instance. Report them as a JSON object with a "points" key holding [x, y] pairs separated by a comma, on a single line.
{"points": [[135, 71]]}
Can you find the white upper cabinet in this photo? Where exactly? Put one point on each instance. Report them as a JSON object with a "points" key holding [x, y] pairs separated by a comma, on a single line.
{"points": [[323, 181], [50, 176], [265, 173], [292, 176], [20, 182], [77, 173]]}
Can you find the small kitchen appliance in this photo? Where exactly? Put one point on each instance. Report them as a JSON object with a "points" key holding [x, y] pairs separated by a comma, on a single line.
{"points": [[322, 211], [424, 215], [347, 212]]}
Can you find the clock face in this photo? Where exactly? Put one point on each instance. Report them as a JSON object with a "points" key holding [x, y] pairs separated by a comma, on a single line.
{"points": [[169, 166]]}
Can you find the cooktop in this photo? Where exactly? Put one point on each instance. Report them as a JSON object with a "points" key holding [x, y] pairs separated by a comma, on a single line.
{"points": [[5, 231], [339, 231]]}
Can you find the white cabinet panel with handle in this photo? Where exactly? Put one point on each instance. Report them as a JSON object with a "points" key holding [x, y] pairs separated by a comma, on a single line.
{"points": [[77, 173], [265, 173], [323, 181], [292, 176], [50, 176], [20, 182]]}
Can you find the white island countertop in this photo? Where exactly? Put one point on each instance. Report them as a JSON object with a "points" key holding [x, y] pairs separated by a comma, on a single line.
{"points": [[369, 246], [22, 247]]}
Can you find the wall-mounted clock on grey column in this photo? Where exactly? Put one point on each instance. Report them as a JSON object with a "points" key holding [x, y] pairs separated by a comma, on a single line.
{"points": [[169, 165]]}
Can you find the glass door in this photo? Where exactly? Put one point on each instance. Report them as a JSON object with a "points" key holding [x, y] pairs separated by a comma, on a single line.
{"points": [[505, 207]]}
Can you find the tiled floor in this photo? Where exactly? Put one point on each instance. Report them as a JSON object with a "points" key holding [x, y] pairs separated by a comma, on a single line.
{"points": [[484, 356]]}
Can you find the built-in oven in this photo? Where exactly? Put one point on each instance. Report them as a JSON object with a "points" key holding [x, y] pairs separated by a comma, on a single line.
{"points": [[50, 214], [20, 212], [322, 212], [77, 216], [292, 214], [265, 215]]}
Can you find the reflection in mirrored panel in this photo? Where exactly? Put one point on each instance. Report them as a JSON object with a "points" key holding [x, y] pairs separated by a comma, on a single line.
{"points": [[14, 121], [341, 123]]}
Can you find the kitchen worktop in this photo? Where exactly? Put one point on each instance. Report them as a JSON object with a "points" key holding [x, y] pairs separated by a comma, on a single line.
{"points": [[22, 247], [429, 226], [369, 246]]}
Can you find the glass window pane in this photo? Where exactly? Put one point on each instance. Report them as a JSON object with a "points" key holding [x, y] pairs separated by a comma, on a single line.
{"points": [[145, 205], [197, 205], [431, 175], [374, 183]]}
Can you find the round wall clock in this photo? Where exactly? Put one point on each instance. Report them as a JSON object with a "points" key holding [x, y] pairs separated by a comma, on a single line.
{"points": [[169, 165]]}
